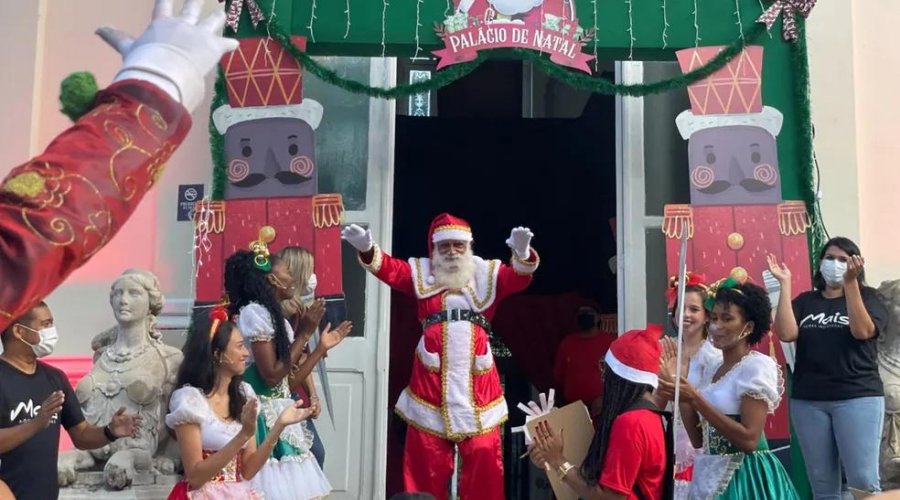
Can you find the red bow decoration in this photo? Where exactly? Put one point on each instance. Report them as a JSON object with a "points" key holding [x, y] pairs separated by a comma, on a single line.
{"points": [[217, 315], [233, 14], [693, 279], [790, 9]]}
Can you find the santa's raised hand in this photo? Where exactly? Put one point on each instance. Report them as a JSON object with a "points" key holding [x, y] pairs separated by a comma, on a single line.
{"points": [[359, 238], [520, 241]]}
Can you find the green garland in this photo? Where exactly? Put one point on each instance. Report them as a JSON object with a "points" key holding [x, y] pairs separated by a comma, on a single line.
{"points": [[217, 140], [447, 76], [575, 79], [817, 234]]}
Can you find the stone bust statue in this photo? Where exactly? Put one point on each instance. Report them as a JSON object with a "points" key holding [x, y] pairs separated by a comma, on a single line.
{"points": [[889, 367], [132, 369]]}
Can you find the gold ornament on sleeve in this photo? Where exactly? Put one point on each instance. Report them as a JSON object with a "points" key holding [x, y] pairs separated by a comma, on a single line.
{"points": [[676, 220], [328, 210], [210, 215], [26, 185], [792, 218]]}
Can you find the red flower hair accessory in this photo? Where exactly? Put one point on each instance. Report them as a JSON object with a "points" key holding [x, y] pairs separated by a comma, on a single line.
{"points": [[217, 315], [692, 279]]}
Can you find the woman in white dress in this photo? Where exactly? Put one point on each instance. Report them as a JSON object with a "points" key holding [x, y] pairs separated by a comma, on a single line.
{"points": [[255, 283], [698, 356], [213, 414], [727, 411]]}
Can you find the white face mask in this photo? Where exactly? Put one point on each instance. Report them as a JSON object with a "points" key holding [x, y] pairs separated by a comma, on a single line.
{"points": [[45, 346], [309, 292], [833, 271]]}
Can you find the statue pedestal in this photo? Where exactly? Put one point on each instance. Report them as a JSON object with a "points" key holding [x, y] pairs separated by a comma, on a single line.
{"points": [[146, 486]]}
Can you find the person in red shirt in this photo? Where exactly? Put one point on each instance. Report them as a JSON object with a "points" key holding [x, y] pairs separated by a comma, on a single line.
{"points": [[629, 455], [578, 358]]}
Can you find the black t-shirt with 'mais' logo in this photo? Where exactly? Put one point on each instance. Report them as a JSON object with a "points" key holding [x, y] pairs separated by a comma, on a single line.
{"points": [[30, 468], [831, 364]]}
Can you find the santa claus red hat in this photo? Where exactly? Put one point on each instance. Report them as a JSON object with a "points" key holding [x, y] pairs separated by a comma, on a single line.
{"points": [[446, 227], [635, 355]]}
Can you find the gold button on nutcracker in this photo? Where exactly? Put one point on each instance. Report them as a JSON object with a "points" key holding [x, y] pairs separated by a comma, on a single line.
{"points": [[735, 241]]}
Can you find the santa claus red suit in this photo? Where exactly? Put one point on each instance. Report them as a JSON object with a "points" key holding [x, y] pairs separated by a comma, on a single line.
{"points": [[454, 394], [60, 208]]}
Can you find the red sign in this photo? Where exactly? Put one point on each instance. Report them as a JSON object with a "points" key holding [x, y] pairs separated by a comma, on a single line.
{"points": [[548, 26]]}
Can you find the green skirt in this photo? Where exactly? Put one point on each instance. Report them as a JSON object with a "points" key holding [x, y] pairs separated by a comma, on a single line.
{"points": [[725, 472], [296, 439]]}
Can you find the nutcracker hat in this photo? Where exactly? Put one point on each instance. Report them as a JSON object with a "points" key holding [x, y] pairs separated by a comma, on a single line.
{"points": [[635, 355], [731, 96], [446, 227], [264, 81]]}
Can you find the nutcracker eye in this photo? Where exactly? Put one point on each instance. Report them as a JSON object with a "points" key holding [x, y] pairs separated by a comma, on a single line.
{"points": [[710, 155], [755, 157], [293, 149], [246, 150]]}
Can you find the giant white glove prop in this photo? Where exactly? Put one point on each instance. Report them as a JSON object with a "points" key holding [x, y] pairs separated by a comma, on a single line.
{"points": [[773, 287], [173, 53], [359, 238], [520, 241], [533, 411]]}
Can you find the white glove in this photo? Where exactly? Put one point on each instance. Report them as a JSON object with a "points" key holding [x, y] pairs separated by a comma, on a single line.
{"points": [[359, 238], [520, 241], [173, 53]]}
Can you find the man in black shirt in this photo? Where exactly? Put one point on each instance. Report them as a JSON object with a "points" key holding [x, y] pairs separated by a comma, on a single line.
{"points": [[35, 398]]}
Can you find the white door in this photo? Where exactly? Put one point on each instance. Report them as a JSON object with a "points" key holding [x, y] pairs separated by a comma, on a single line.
{"points": [[355, 146], [651, 172]]}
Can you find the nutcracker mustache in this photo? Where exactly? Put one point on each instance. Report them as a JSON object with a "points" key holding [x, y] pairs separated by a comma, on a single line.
{"points": [[453, 271]]}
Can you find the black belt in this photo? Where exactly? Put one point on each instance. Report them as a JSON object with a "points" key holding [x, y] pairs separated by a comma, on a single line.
{"points": [[457, 315]]}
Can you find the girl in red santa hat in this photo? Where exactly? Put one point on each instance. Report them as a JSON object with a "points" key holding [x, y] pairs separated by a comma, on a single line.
{"points": [[726, 413], [627, 458]]}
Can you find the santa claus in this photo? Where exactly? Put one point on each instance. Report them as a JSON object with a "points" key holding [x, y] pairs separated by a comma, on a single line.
{"points": [[454, 394]]}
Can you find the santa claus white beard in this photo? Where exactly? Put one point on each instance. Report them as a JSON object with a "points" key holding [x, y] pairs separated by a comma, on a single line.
{"points": [[453, 271]]}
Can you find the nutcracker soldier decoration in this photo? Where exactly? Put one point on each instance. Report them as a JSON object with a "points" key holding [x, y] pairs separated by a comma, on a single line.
{"points": [[736, 217], [269, 143]]}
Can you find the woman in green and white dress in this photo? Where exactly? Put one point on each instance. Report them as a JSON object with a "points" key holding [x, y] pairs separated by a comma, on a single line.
{"points": [[726, 413], [255, 282]]}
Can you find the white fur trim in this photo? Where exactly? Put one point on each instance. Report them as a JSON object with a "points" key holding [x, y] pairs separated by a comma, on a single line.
{"points": [[522, 266], [494, 416], [429, 418], [483, 362], [769, 118], [431, 360], [451, 234], [629, 373], [480, 293], [459, 337], [309, 111]]}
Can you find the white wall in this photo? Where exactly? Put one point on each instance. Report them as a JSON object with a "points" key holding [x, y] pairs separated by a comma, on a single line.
{"points": [[52, 39], [854, 69]]}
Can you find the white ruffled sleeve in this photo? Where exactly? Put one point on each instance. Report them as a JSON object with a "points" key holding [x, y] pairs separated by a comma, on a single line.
{"points": [[704, 364], [255, 323], [187, 406], [761, 378], [248, 391]]}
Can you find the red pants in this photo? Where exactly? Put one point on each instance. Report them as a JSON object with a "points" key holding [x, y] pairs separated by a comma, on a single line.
{"points": [[428, 465]]}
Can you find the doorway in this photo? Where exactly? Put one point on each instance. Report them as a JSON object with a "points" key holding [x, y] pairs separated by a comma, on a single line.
{"points": [[509, 147]]}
